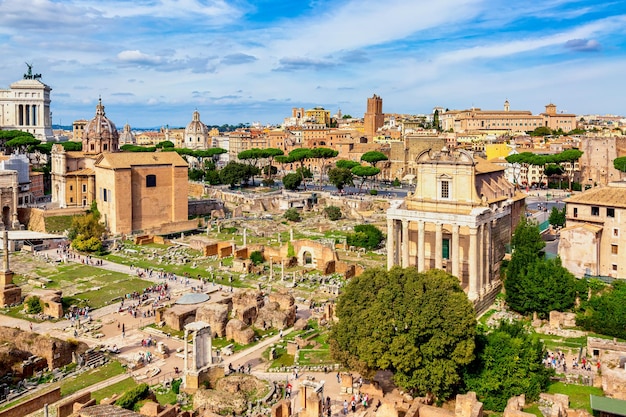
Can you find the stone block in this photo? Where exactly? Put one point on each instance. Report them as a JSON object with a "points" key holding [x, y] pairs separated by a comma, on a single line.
{"points": [[238, 332], [217, 317]]}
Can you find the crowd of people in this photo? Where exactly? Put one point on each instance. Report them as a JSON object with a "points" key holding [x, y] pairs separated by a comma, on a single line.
{"points": [[558, 362]]}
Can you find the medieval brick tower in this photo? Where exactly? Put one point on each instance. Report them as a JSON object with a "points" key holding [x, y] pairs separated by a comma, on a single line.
{"points": [[374, 117]]}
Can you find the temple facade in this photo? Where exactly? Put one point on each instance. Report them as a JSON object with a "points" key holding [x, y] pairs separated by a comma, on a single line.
{"points": [[460, 219]]}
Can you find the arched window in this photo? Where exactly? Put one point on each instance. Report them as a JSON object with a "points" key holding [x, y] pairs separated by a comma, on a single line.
{"points": [[151, 181]]}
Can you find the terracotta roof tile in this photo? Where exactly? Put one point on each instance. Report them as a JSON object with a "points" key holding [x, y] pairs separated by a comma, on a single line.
{"points": [[614, 196]]}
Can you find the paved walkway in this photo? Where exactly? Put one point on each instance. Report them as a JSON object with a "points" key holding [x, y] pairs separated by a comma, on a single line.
{"points": [[130, 344]]}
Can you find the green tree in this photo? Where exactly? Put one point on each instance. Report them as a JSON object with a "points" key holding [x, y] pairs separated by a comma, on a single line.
{"points": [[364, 173], [420, 326], [256, 257], [34, 305], [292, 214], [165, 144], [292, 181], [23, 143], [233, 173], [373, 157], [533, 283], [508, 363], [340, 177], [557, 217], [332, 212], [541, 131], [86, 231], [620, 163], [605, 312], [298, 156], [270, 154], [344, 163], [323, 154], [365, 236], [436, 123], [72, 146], [569, 156]]}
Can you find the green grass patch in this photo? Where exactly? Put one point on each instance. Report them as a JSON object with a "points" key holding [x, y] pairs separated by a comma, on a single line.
{"points": [[282, 358], [165, 397], [89, 378], [578, 394], [533, 409], [117, 388], [168, 330], [102, 296], [56, 224], [314, 357]]}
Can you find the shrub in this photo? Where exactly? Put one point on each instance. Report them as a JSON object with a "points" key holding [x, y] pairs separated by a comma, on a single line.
{"points": [[293, 215], [176, 386], [256, 257], [396, 182], [267, 182], [133, 395], [365, 236], [34, 305], [373, 192], [332, 212]]}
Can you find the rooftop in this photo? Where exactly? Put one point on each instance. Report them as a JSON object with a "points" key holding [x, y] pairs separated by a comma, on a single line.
{"points": [[613, 195]]}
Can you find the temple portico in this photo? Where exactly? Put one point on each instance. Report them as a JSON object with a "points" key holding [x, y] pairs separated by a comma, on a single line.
{"points": [[459, 219]]}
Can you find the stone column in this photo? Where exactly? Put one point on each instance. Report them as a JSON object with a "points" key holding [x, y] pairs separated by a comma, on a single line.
{"points": [[390, 238], [245, 237], [15, 223], [186, 350], [271, 268], [282, 270], [405, 243], [456, 252], [421, 246], [473, 265], [195, 347], [481, 259], [438, 245], [291, 234], [488, 257]]}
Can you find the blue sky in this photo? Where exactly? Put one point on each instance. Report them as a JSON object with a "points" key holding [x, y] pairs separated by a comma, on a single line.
{"points": [[155, 61]]}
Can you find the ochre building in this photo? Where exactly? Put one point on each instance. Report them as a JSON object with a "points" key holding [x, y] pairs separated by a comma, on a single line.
{"points": [[460, 218], [141, 191]]}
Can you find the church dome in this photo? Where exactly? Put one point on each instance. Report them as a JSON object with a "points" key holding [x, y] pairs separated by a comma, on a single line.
{"points": [[127, 136], [196, 127], [100, 127], [100, 134]]}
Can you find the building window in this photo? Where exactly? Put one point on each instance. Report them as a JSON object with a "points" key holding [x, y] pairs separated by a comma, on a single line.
{"points": [[445, 189], [616, 232], [595, 211], [614, 267], [445, 249], [71, 199], [71, 188], [151, 181], [104, 195], [84, 188], [610, 212], [614, 249], [575, 211]]}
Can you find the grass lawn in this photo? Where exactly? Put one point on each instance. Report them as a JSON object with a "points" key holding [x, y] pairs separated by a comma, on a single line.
{"points": [[314, 357], [117, 388], [578, 394], [89, 378], [167, 397], [58, 223], [116, 285]]}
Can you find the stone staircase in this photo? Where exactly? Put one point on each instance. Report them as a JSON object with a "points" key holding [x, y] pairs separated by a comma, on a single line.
{"points": [[94, 358]]}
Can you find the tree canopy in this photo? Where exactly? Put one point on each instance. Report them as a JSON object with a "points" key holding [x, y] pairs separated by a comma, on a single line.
{"points": [[508, 363], [620, 163], [344, 163], [365, 236], [364, 172], [420, 326], [234, 173], [373, 157], [86, 231], [340, 177], [533, 283], [605, 312]]}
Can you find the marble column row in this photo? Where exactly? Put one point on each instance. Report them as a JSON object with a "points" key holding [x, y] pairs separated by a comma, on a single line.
{"points": [[479, 257]]}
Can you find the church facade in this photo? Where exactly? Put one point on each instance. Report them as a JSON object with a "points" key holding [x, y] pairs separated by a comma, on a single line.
{"points": [[460, 219]]}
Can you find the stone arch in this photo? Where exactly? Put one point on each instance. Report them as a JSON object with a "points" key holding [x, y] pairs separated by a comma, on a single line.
{"points": [[307, 258]]}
